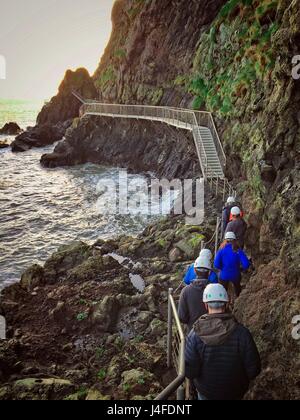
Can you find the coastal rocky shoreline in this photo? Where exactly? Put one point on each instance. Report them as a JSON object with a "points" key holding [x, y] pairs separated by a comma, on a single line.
{"points": [[81, 328], [77, 327]]}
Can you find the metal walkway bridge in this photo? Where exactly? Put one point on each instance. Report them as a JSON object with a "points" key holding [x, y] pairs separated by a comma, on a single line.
{"points": [[209, 148]]}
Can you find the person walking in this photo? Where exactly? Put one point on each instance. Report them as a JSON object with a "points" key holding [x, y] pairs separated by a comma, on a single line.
{"points": [[221, 356], [238, 226], [191, 275], [230, 260], [191, 305], [226, 213]]}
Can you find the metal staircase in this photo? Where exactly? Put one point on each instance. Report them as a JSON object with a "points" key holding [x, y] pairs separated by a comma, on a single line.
{"points": [[214, 167], [210, 152]]}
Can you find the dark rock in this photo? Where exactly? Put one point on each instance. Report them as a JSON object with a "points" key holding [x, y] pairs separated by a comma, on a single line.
{"points": [[10, 129], [140, 146], [64, 106], [3, 145], [39, 136], [268, 173], [33, 277]]}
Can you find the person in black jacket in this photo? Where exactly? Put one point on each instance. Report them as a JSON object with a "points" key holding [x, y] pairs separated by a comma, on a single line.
{"points": [[226, 212], [191, 305], [221, 355], [238, 226]]}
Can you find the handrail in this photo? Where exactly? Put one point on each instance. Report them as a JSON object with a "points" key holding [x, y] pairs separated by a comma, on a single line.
{"points": [[177, 117], [180, 363], [210, 123]]}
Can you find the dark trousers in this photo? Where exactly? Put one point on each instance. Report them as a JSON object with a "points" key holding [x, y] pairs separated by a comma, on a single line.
{"points": [[236, 284]]}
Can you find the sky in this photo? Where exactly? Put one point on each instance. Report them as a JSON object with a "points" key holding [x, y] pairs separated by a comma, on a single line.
{"points": [[41, 39]]}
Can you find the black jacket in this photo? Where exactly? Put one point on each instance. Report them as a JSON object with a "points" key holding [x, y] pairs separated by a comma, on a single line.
{"points": [[239, 227], [226, 214], [221, 357], [191, 306]]}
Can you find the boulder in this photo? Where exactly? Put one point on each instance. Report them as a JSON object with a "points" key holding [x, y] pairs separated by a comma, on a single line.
{"points": [[105, 313], [95, 395], [4, 145], [39, 136], [32, 277], [175, 255], [65, 259], [42, 389], [87, 271], [10, 129], [137, 381]]}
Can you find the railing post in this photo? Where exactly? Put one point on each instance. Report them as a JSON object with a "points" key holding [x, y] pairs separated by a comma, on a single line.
{"points": [[217, 235], [170, 329], [217, 188], [202, 245]]}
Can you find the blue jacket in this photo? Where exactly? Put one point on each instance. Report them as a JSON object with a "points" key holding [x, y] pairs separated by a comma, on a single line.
{"points": [[191, 276], [230, 263]]}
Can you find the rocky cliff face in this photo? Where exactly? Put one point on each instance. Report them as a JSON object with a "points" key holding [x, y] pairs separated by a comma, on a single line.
{"points": [[140, 146], [151, 50]]}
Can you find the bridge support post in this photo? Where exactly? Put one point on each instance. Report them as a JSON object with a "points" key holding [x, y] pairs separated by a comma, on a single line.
{"points": [[217, 235], [170, 330]]}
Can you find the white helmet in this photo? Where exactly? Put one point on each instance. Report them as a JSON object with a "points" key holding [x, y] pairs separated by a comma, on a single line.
{"points": [[215, 293], [203, 262], [236, 211], [230, 236], [230, 200], [206, 253]]}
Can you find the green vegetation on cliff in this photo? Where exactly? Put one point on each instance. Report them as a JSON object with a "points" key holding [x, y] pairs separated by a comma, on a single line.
{"points": [[234, 56]]}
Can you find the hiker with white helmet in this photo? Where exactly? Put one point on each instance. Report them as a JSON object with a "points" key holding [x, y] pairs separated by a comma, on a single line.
{"points": [[191, 306], [221, 355], [238, 226], [191, 275], [230, 259], [226, 213]]}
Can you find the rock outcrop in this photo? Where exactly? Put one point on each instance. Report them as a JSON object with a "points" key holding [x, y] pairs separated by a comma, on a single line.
{"points": [[10, 129], [57, 115], [39, 136], [151, 50], [139, 146], [4, 145], [64, 106]]}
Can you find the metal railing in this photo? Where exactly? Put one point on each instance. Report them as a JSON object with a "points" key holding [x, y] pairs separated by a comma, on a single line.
{"points": [[176, 337], [221, 187], [180, 118], [205, 119], [175, 350]]}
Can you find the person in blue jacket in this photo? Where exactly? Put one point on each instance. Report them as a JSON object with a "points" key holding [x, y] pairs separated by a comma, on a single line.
{"points": [[231, 260], [191, 275]]}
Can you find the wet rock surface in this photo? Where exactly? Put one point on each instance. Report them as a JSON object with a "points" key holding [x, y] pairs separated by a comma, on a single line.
{"points": [[39, 136]]}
